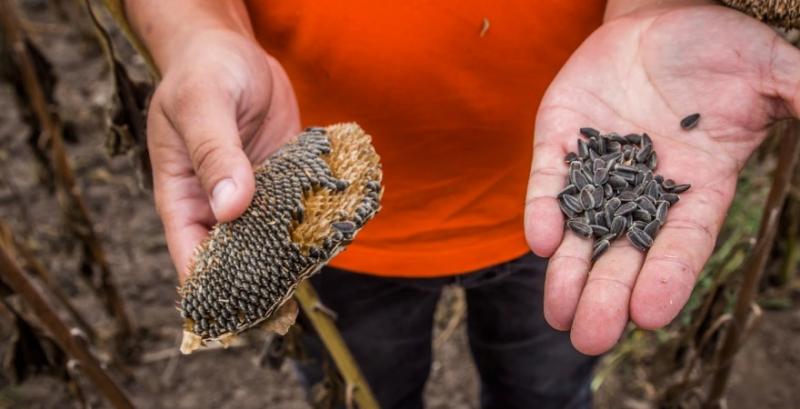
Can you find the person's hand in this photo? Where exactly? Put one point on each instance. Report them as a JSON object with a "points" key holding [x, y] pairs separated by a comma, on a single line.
{"points": [[223, 105], [639, 73]]}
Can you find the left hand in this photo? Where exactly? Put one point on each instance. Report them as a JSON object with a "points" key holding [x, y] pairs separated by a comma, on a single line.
{"points": [[644, 72]]}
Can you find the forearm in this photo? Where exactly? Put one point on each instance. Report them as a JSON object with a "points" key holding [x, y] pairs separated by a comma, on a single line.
{"points": [[164, 26], [618, 8]]}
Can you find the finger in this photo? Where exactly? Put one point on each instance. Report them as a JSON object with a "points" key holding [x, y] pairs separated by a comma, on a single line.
{"points": [[180, 200], [543, 219], [205, 118], [678, 254], [602, 311], [566, 275]]}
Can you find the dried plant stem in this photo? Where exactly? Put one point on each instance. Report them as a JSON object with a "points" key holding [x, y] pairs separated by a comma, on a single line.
{"points": [[789, 151], [357, 387], [67, 190], [15, 278], [44, 275]]}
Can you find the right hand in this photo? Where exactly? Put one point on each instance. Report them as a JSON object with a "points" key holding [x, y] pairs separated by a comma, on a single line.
{"points": [[223, 105]]}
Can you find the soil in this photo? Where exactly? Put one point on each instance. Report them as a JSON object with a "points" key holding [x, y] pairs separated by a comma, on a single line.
{"points": [[767, 374]]}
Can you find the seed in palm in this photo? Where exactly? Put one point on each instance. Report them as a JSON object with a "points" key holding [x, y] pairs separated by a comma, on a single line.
{"points": [[612, 189]]}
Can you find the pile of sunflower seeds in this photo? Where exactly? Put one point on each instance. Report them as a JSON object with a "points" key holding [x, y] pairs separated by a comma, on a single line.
{"points": [[613, 191]]}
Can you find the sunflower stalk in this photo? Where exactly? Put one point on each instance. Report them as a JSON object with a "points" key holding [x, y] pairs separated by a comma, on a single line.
{"points": [[13, 276], [67, 192], [743, 310]]}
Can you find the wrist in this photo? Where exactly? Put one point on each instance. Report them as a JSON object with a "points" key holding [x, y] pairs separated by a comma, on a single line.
{"points": [[620, 8], [167, 27]]}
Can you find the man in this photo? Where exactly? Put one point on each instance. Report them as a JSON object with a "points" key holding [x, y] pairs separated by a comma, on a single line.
{"points": [[448, 90]]}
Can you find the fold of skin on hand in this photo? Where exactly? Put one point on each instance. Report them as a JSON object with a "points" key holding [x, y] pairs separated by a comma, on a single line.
{"points": [[643, 71]]}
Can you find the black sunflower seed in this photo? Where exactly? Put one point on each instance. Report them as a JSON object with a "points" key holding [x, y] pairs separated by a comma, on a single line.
{"points": [[580, 228], [599, 230], [600, 176], [672, 198], [613, 204], [570, 157], [589, 132], [652, 228], [587, 197], [583, 149], [625, 209], [601, 247], [661, 212], [646, 204], [568, 190], [639, 238], [680, 188], [618, 225], [690, 121], [572, 203]]}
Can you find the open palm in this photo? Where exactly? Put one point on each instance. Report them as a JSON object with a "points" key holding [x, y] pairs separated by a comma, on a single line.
{"points": [[643, 73]]}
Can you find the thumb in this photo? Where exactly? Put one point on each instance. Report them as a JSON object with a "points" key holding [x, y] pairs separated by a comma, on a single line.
{"points": [[206, 121], [785, 73]]}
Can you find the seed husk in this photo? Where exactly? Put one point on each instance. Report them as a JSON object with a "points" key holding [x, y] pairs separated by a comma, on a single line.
{"points": [[580, 228], [642, 215], [690, 121], [601, 247], [568, 190], [599, 230], [613, 204], [672, 198], [600, 176], [583, 149], [627, 196], [572, 203], [646, 204], [618, 225], [680, 188], [639, 238], [589, 132], [570, 157], [652, 228], [625, 209], [661, 212], [587, 197]]}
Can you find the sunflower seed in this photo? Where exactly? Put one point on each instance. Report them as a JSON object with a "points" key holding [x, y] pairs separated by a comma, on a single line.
{"points": [[627, 196], [680, 188], [642, 215], [672, 198], [661, 212], [652, 190], [599, 230], [690, 121], [615, 137], [618, 225], [646, 204], [617, 182], [599, 197], [600, 219], [633, 138], [572, 203], [644, 154], [580, 180], [620, 168], [583, 149], [587, 197], [652, 228], [638, 224], [601, 145], [600, 248], [652, 163], [613, 204], [568, 190], [589, 132], [613, 146], [580, 228], [625, 209], [639, 238], [600, 176], [608, 190], [570, 157]]}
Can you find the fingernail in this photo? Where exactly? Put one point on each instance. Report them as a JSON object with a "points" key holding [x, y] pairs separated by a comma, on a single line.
{"points": [[221, 194]]}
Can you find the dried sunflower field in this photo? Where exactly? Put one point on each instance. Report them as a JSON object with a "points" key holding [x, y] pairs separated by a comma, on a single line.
{"points": [[79, 233]]}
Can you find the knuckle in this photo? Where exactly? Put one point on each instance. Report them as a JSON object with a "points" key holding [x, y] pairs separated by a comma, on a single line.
{"points": [[205, 154]]}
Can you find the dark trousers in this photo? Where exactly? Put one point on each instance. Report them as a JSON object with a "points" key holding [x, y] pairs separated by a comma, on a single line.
{"points": [[387, 323]]}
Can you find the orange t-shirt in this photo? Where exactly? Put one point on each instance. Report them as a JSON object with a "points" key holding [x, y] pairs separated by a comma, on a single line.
{"points": [[449, 92]]}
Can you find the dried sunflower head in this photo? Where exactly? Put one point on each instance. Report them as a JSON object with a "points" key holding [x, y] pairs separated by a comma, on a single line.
{"points": [[779, 13], [312, 197]]}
